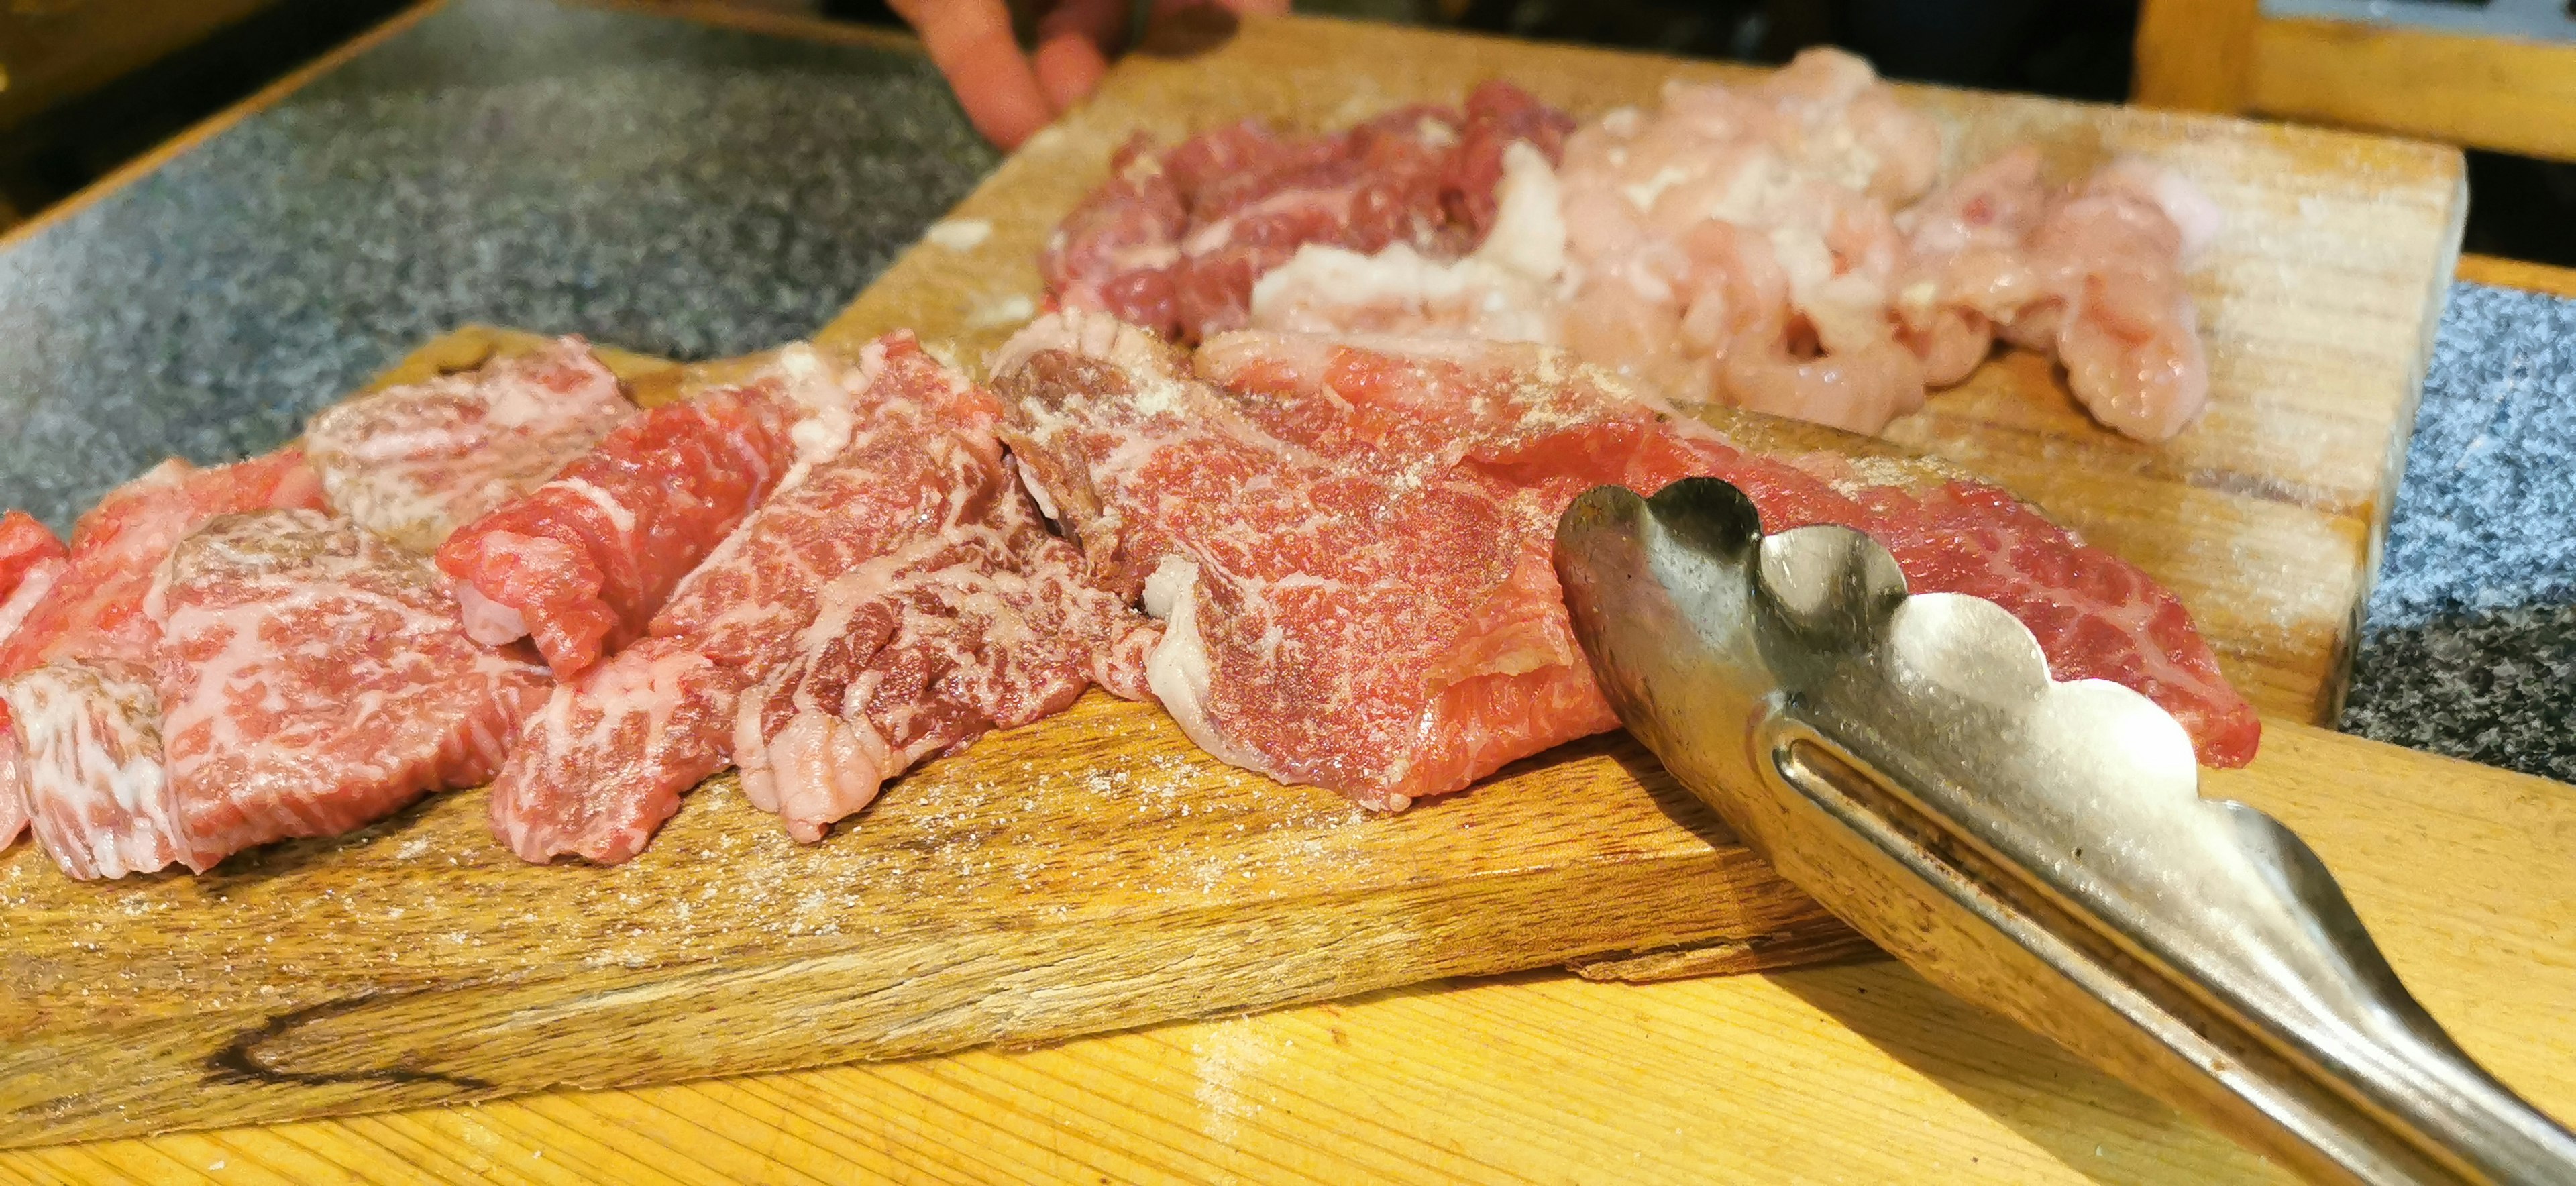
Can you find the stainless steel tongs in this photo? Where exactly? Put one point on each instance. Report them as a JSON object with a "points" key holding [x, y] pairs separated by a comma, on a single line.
{"points": [[2037, 847]]}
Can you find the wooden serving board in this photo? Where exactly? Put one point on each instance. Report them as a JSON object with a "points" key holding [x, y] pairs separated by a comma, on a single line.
{"points": [[1095, 871], [2318, 303], [1088, 873]]}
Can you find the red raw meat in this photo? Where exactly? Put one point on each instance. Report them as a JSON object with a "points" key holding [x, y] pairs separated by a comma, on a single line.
{"points": [[984, 625], [24, 544], [1303, 637], [413, 463], [97, 607], [1306, 512], [914, 466], [1174, 242], [582, 563], [314, 678], [76, 646], [2094, 614], [89, 764], [30, 559]]}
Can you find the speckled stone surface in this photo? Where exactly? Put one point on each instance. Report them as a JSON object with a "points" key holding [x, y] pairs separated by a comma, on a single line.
{"points": [[657, 184], [2469, 647]]}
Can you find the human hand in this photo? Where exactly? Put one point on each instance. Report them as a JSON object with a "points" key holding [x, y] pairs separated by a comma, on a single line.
{"points": [[1010, 95]]}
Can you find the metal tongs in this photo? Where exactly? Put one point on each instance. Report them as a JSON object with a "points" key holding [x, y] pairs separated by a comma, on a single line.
{"points": [[2037, 847]]}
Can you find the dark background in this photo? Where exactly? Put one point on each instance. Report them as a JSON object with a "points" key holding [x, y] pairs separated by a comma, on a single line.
{"points": [[2077, 49]]}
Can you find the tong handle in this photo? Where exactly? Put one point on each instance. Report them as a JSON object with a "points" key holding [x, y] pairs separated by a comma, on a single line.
{"points": [[2375, 1092]]}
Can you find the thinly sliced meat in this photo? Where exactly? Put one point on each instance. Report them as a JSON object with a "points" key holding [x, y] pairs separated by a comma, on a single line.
{"points": [[96, 609], [413, 463], [1175, 241], [921, 650], [916, 466], [314, 678], [90, 767], [1556, 430], [24, 544], [582, 563], [1299, 637], [1290, 522], [30, 560], [604, 762], [93, 808]]}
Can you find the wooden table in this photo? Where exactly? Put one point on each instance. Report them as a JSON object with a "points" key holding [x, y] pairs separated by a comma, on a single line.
{"points": [[1856, 1072]]}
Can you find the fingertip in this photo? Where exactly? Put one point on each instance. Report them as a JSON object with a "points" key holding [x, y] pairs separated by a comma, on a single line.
{"points": [[1069, 68]]}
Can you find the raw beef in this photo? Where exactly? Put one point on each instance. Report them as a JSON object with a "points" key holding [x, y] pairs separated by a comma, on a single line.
{"points": [[912, 524], [582, 563], [96, 608], [1556, 431], [984, 625], [81, 653], [1175, 240], [24, 544], [314, 678], [30, 559], [1288, 524], [413, 463], [89, 736]]}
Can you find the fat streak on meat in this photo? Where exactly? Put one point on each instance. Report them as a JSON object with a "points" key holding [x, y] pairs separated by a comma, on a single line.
{"points": [[83, 653], [583, 562], [30, 559], [314, 678], [412, 463], [848, 601]]}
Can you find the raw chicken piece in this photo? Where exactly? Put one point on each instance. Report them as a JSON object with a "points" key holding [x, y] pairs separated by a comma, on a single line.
{"points": [[415, 462], [2110, 257]]}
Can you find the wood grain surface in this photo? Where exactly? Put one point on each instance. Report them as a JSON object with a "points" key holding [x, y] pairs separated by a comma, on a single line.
{"points": [[1856, 1073], [2318, 303]]}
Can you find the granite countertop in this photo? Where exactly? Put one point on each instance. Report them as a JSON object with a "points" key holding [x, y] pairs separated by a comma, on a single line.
{"points": [[696, 192]]}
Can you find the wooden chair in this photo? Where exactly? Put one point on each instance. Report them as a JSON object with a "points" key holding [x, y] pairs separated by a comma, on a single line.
{"points": [[2510, 94]]}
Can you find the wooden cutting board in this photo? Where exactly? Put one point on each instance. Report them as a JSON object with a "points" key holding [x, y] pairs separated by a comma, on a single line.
{"points": [[2318, 303], [1088, 873]]}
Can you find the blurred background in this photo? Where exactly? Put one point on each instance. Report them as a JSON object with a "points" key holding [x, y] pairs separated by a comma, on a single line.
{"points": [[89, 85]]}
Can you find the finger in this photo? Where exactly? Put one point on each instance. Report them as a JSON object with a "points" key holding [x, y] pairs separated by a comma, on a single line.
{"points": [[970, 41], [1075, 43]]}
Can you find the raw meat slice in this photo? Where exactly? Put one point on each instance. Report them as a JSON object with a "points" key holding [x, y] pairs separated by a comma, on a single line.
{"points": [[83, 612], [1292, 575], [30, 559], [604, 762], [919, 651], [24, 544], [414, 463], [1288, 523], [582, 563], [90, 767], [314, 678], [914, 465], [96, 609], [1556, 430], [1175, 241]]}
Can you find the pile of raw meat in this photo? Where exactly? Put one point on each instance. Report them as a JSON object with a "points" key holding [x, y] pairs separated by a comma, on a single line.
{"points": [[1327, 558], [1778, 246], [1326, 554]]}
